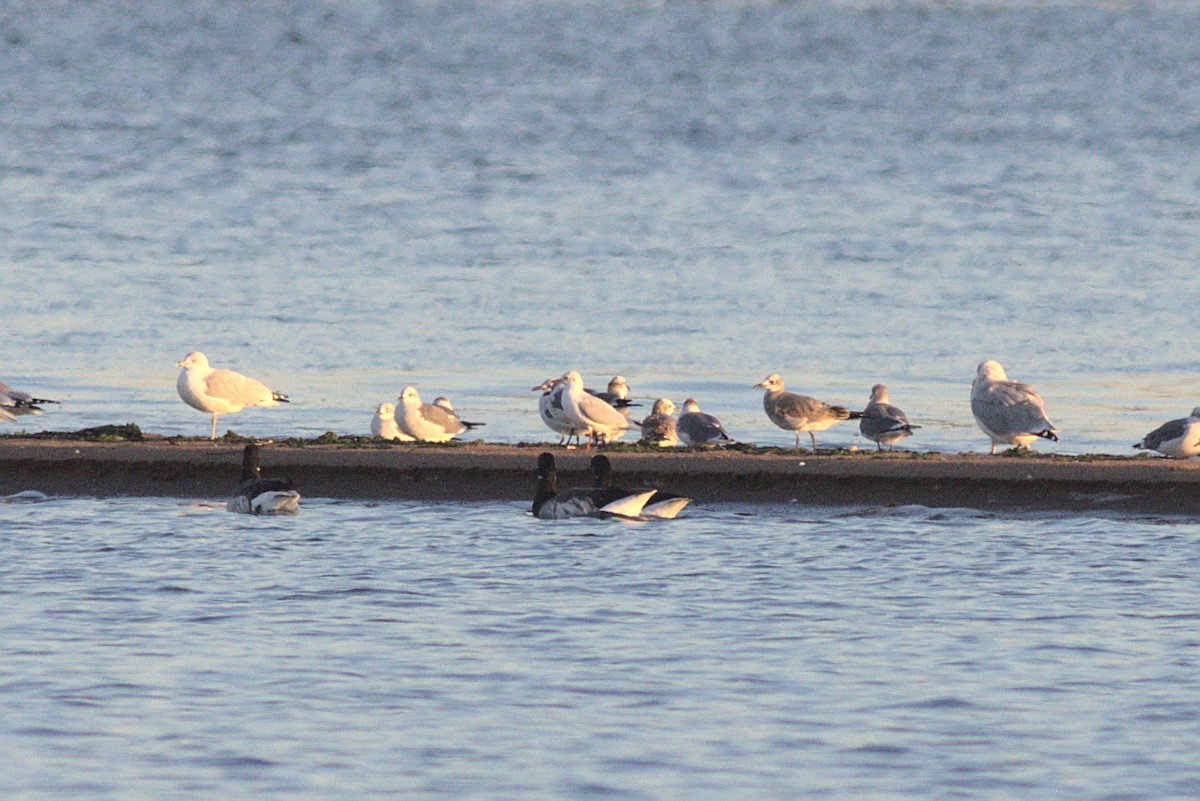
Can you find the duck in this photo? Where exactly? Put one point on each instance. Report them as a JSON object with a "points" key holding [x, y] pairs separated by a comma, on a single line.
{"points": [[256, 495], [551, 504], [664, 505]]}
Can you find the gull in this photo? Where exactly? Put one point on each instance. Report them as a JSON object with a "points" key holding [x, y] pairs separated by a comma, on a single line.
{"points": [[588, 413], [1180, 438], [659, 426], [425, 422], [883, 422], [444, 402], [220, 391], [697, 428], [617, 395], [550, 504], [665, 505], [14, 402], [798, 413], [1009, 412], [383, 424], [550, 410], [256, 495]]}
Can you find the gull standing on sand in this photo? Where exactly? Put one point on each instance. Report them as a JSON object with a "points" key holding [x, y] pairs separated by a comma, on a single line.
{"points": [[256, 495], [426, 422], [883, 422], [1009, 412], [220, 391], [697, 428], [383, 424], [798, 413], [13, 402], [1179, 438], [659, 426], [550, 410], [588, 413]]}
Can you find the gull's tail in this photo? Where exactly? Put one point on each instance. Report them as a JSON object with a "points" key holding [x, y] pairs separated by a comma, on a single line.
{"points": [[280, 397]]}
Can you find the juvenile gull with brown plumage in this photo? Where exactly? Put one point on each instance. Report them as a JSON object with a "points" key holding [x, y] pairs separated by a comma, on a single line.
{"points": [[793, 412]]}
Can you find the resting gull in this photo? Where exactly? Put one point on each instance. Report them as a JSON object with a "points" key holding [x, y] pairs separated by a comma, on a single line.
{"points": [[256, 495], [882, 422], [550, 504], [13, 402], [798, 413], [1009, 412], [659, 426], [426, 422], [220, 391], [383, 424], [1179, 438], [617, 395], [590, 414], [697, 428], [665, 505]]}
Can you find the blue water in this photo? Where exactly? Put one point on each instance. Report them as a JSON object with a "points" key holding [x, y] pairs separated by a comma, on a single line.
{"points": [[342, 199], [167, 649]]}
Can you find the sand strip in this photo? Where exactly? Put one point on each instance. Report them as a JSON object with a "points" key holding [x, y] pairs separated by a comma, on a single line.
{"points": [[192, 469]]}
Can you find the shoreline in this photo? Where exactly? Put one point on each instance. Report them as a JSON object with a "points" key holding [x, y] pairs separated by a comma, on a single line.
{"points": [[369, 470]]}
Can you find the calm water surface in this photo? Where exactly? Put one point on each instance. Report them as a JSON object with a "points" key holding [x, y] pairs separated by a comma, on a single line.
{"points": [[165, 648], [343, 199]]}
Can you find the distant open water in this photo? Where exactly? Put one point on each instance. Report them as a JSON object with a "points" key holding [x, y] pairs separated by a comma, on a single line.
{"points": [[167, 649], [342, 199]]}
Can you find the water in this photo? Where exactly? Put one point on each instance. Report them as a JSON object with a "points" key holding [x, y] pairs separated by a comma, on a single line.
{"points": [[342, 199], [346, 198], [164, 648]]}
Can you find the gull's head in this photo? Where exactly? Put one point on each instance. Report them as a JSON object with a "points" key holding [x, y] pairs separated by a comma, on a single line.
{"points": [[990, 371], [443, 402], [690, 405], [545, 466], [193, 359], [409, 397], [879, 394], [663, 406], [772, 383], [386, 410], [618, 386], [572, 378]]}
